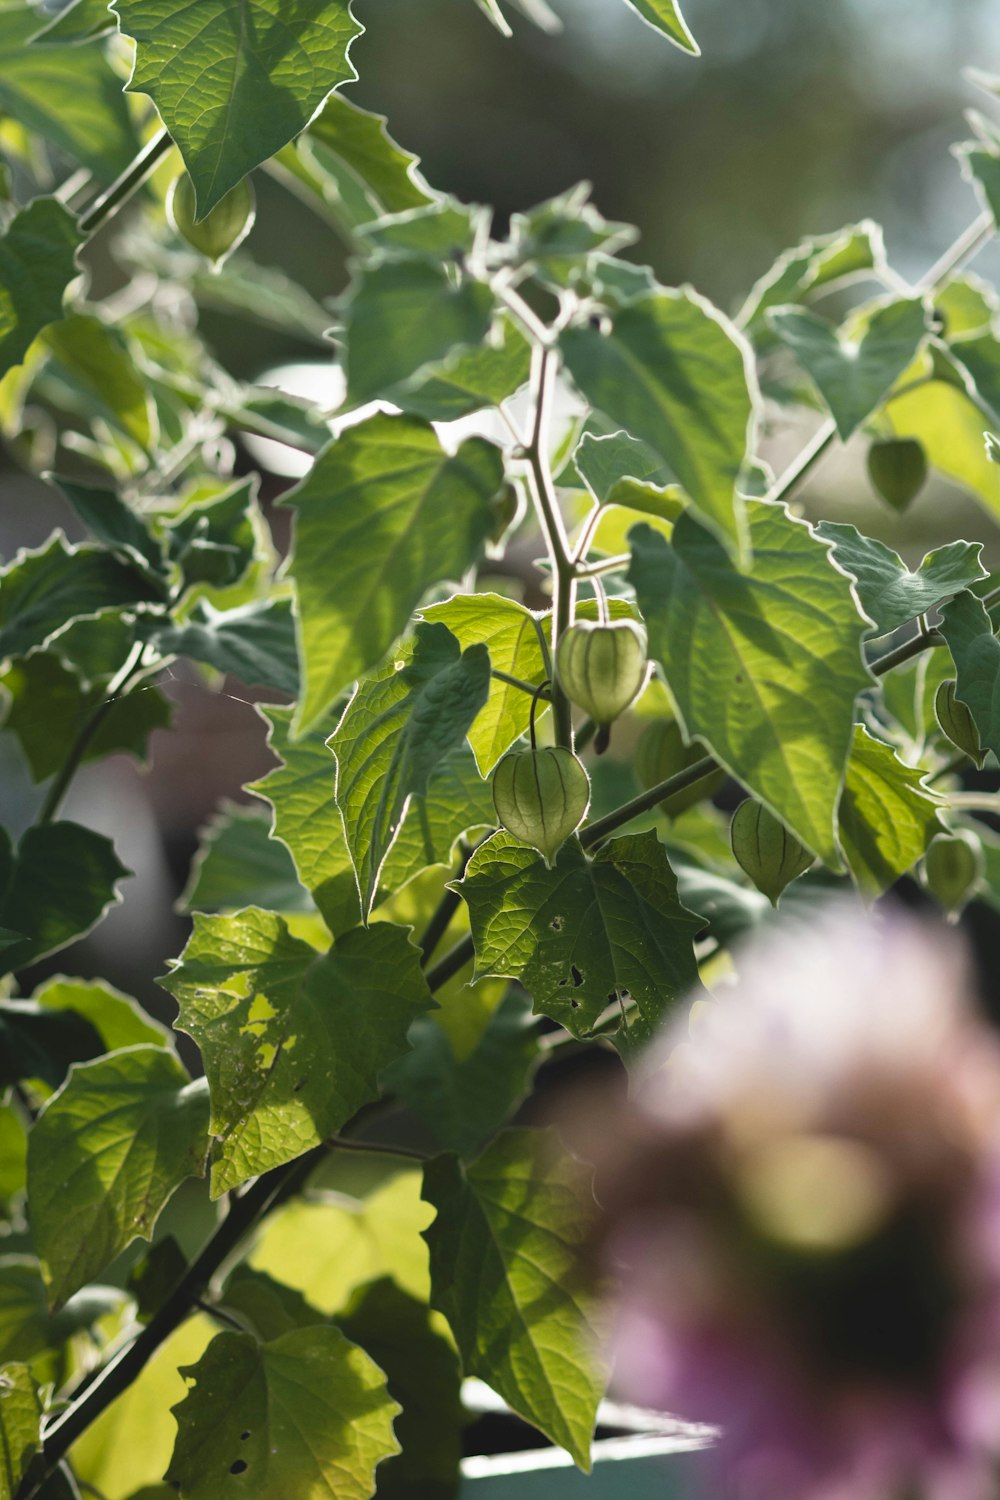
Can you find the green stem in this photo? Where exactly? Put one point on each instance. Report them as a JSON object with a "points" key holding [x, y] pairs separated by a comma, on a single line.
{"points": [[646, 801], [123, 187], [820, 443], [922, 641], [968, 244], [516, 682]]}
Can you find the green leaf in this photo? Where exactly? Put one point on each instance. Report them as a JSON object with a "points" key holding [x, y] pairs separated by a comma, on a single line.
{"points": [[293, 1041], [385, 173], [511, 635], [307, 821], [506, 1271], [384, 514], [37, 264], [890, 594], [556, 239], [79, 21], [239, 864], [255, 642], [853, 375], [55, 888], [113, 523], [119, 1020], [436, 233], [66, 95], [763, 667], [982, 166], [676, 374], [307, 1414], [586, 934], [109, 1149], [620, 470], [402, 315], [422, 1374], [215, 543], [20, 1426], [34, 1044], [97, 361], [49, 706], [887, 816], [462, 1101], [666, 17], [949, 425], [975, 650], [236, 81], [42, 592], [816, 263], [397, 737], [469, 379], [27, 1328]]}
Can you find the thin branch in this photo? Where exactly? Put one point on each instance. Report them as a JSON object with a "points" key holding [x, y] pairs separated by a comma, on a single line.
{"points": [[646, 801], [124, 186], [978, 234], [818, 445], [517, 682]]}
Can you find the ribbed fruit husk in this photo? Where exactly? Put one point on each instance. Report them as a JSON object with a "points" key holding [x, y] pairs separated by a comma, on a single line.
{"points": [[225, 227], [541, 797], [953, 868], [955, 720], [601, 668], [898, 469], [765, 850]]}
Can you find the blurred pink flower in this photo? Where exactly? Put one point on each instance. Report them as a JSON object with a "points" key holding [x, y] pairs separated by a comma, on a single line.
{"points": [[804, 1201]]}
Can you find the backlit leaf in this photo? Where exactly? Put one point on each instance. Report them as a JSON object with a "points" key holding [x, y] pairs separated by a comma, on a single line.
{"points": [[890, 593], [55, 887], [37, 264], [887, 817], [975, 650]]}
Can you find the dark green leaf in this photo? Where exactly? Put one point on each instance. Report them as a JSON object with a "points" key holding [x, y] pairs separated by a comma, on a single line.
{"points": [[119, 1020], [384, 514], [361, 144], [557, 239], [293, 1040], [586, 934], [764, 667], [55, 888], [36, 1044], [854, 374], [975, 650], [620, 470], [108, 1152], [422, 1374], [810, 266], [20, 1426], [97, 362], [307, 1414], [676, 374], [395, 740], [215, 543], [79, 21], [236, 84], [469, 379], [887, 815], [113, 522], [506, 1272], [239, 864], [890, 594], [255, 642], [37, 264]]}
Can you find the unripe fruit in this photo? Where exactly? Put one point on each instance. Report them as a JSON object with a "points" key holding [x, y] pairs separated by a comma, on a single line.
{"points": [[953, 867], [956, 721], [765, 850], [225, 227], [897, 468], [601, 668], [541, 797], [661, 753]]}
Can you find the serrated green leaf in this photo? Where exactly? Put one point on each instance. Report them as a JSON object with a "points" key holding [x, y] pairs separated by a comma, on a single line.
{"points": [[112, 522], [293, 1040], [384, 514], [239, 864], [462, 1101], [674, 373], [394, 742], [422, 1375], [361, 143], [815, 263], [665, 17], [307, 1414], [975, 650], [510, 634], [79, 21], [557, 238], [49, 706], [506, 1271], [215, 542], [27, 1328], [440, 232], [13, 1157], [97, 361], [37, 264], [66, 95], [235, 80], [110, 1148], [120, 1020], [402, 315], [55, 888], [620, 470], [982, 166], [255, 642], [586, 934], [887, 817], [764, 667], [307, 821], [949, 425], [853, 375], [36, 1045], [469, 379], [20, 1426], [890, 594], [42, 592]]}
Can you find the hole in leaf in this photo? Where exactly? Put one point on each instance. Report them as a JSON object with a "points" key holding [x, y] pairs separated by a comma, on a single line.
{"points": [[574, 1004], [556, 924], [577, 976], [239, 1467], [300, 1085], [244, 1436]]}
